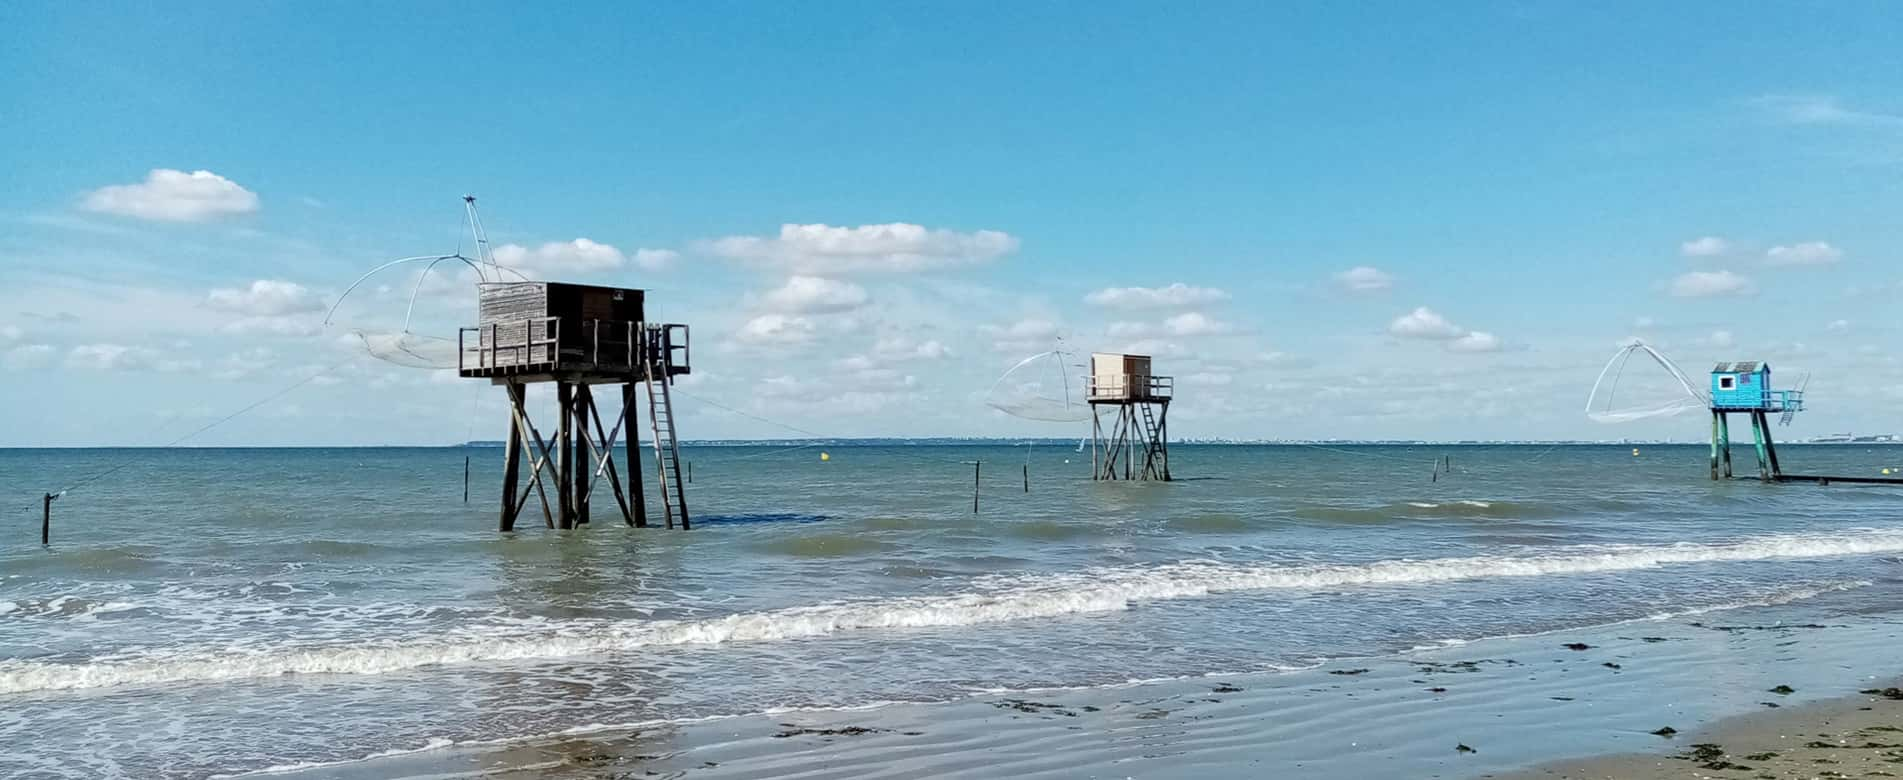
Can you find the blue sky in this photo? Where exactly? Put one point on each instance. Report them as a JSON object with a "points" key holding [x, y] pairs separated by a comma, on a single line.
{"points": [[1545, 180]]}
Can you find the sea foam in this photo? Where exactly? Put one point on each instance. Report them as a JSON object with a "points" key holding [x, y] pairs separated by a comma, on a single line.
{"points": [[1100, 590]]}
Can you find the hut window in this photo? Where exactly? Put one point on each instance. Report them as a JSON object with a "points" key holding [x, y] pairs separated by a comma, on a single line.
{"points": [[1727, 383]]}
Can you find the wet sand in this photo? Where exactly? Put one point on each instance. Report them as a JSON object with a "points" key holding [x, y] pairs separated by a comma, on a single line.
{"points": [[1854, 736], [1482, 709]]}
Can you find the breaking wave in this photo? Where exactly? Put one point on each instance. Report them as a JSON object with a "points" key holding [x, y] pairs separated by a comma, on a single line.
{"points": [[1103, 590]]}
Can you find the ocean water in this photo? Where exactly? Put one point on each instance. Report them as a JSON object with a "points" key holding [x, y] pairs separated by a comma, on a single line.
{"points": [[216, 612]]}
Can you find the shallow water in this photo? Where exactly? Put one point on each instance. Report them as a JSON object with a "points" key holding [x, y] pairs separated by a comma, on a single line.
{"points": [[223, 611]]}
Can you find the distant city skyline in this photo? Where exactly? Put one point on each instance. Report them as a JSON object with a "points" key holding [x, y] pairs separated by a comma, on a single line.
{"points": [[1325, 222]]}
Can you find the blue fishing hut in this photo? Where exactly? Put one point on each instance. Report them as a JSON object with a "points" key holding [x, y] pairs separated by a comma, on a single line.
{"points": [[1744, 387]]}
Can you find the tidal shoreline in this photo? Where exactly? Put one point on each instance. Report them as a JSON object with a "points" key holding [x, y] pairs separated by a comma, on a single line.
{"points": [[1854, 736]]}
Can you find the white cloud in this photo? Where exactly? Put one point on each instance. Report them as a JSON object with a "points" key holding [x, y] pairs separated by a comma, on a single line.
{"points": [[1425, 323], [1364, 278], [167, 195], [1024, 335], [1475, 341], [825, 249], [1643, 322], [1707, 246], [1708, 284], [1208, 378], [1807, 253], [274, 326], [901, 348], [1175, 295], [1721, 339], [580, 256], [11, 333], [29, 356], [655, 259], [1838, 325], [119, 357], [813, 294], [1195, 324], [775, 329], [265, 298]]}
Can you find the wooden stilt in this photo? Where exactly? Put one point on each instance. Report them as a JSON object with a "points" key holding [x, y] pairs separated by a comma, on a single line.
{"points": [[511, 458], [1027, 477], [564, 467], [1717, 419], [46, 519], [1724, 429], [465, 479], [583, 464], [976, 467], [637, 492], [1770, 448], [1757, 437]]}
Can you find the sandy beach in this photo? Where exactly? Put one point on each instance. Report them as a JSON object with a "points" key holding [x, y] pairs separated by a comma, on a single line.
{"points": [[1776, 696], [1853, 736]]}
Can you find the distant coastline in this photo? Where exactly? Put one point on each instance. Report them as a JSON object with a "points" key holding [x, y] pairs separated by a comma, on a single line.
{"points": [[950, 441]]}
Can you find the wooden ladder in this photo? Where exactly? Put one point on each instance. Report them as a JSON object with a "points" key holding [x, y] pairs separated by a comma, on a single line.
{"points": [[667, 449], [1149, 433]]}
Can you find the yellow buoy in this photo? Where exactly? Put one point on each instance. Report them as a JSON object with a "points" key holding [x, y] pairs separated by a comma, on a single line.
{"points": [[1635, 452], [825, 456], [1886, 472]]}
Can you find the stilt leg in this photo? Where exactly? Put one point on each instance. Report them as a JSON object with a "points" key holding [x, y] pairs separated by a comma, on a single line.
{"points": [[564, 451], [1757, 436], [511, 459], [1724, 430], [637, 492], [581, 464], [1770, 448], [1716, 417]]}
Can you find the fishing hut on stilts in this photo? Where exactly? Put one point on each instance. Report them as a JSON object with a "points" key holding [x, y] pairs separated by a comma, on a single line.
{"points": [[1744, 387], [579, 338], [1136, 445]]}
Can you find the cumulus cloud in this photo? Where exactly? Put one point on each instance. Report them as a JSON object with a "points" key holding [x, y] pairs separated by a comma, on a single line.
{"points": [[167, 195], [11, 333], [814, 295], [1838, 325], [1195, 324], [1175, 295], [1707, 246], [896, 247], [580, 256], [265, 298], [1025, 335], [1475, 341], [1425, 323], [775, 330], [119, 357], [1721, 339], [901, 348], [1364, 278], [1711, 284], [1806, 253], [655, 259]]}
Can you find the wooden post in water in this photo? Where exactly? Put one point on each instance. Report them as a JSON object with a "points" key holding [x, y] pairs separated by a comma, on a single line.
{"points": [[1770, 447], [1027, 477], [1758, 434], [584, 463], [1724, 437], [976, 467], [637, 490], [690, 472], [46, 519], [465, 479], [564, 466], [512, 456], [1717, 419]]}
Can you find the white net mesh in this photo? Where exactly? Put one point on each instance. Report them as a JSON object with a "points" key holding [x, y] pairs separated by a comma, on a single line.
{"points": [[1628, 391], [1047, 387], [409, 349]]}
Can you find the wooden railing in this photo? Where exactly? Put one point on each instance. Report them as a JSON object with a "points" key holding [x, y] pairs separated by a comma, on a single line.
{"points": [[539, 342], [1135, 386]]}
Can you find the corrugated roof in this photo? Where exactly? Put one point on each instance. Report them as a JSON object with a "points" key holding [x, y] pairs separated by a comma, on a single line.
{"points": [[1738, 367]]}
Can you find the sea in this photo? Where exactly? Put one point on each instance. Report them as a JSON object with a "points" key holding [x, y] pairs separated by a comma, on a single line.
{"points": [[224, 612]]}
